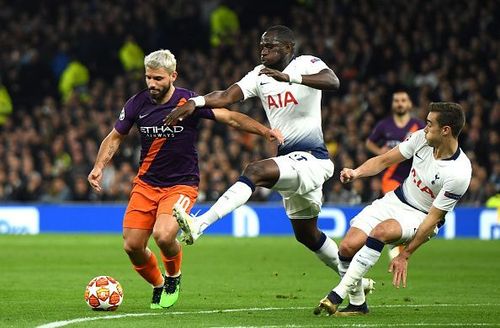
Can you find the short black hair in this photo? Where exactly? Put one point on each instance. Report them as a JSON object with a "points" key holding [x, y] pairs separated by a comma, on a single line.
{"points": [[449, 114], [283, 33]]}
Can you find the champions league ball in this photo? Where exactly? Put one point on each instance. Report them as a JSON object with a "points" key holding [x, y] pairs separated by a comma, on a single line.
{"points": [[103, 293]]}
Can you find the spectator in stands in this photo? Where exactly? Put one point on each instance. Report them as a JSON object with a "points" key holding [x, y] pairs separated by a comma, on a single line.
{"points": [[462, 54]]}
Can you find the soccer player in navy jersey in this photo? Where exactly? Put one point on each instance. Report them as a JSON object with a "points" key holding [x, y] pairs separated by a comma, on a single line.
{"points": [[168, 172]]}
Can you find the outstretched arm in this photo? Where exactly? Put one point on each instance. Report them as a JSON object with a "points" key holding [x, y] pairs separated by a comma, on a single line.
{"points": [[243, 122], [108, 148], [372, 166], [214, 99], [323, 80], [399, 265]]}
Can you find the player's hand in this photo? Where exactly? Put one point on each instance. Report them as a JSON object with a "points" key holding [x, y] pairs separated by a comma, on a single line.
{"points": [[275, 135], [399, 269], [275, 74], [347, 175], [180, 113], [94, 179]]}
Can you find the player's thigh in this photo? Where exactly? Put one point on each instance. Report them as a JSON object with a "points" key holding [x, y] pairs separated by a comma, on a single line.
{"points": [[141, 208], [183, 195], [396, 221], [303, 207], [135, 240], [301, 172], [388, 231], [374, 214], [409, 219]]}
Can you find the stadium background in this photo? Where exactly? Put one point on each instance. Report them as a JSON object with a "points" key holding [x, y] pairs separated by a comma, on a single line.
{"points": [[67, 67]]}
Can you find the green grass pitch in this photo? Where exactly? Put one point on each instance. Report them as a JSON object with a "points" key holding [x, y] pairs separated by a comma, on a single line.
{"points": [[243, 282]]}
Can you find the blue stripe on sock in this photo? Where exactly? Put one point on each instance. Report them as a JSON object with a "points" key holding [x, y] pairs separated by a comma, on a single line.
{"points": [[334, 298], [319, 243], [247, 181], [345, 258], [375, 244]]}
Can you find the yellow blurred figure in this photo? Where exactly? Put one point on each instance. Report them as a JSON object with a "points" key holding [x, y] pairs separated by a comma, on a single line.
{"points": [[224, 26], [75, 75]]}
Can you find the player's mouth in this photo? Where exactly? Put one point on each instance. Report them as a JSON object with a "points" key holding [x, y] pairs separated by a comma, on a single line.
{"points": [[154, 91]]}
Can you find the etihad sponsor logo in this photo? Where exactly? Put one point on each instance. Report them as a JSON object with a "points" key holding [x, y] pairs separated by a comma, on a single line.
{"points": [[162, 131]]}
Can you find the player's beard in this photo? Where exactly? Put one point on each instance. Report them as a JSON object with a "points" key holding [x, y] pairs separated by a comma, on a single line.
{"points": [[158, 97], [400, 111]]}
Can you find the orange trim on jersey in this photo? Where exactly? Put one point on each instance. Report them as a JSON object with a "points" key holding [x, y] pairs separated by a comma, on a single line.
{"points": [[414, 128], [150, 156], [388, 183], [154, 149]]}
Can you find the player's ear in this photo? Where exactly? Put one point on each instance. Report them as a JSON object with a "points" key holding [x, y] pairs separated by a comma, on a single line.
{"points": [[446, 130], [173, 76]]}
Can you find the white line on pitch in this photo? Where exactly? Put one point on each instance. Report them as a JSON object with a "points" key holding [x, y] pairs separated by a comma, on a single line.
{"points": [[63, 323]]}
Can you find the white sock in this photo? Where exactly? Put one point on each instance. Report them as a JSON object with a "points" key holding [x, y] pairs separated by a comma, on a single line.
{"points": [[329, 254], [357, 294], [364, 259], [343, 266], [237, 195]]}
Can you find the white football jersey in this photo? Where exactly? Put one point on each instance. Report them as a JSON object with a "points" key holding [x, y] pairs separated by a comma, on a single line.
{"points": [[294, 109], [439, 183]]}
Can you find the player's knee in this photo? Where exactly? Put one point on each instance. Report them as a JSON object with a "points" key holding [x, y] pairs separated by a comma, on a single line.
{"points": [[348, 247], [380, 232], [132, 247], [253, 171], [164, 239]]}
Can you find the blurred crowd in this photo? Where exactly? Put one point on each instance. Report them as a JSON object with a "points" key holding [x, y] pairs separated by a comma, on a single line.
{"points": [[67, 68]]}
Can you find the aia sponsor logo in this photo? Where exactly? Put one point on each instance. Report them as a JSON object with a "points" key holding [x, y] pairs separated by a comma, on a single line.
{"points": [[423, 188], [281, 100]]}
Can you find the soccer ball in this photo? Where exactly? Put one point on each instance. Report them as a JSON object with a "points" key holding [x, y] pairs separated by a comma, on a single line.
{"points": [[103, 293]]}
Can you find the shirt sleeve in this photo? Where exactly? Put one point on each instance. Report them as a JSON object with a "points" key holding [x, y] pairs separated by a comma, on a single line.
{"points": [[127, 116], [453, 189], [312, 65], [408, 147], [248, 84]]}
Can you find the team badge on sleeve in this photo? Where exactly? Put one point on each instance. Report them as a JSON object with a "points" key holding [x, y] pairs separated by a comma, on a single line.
{"points": [[452, 195], [122, 114], [315, 59]]}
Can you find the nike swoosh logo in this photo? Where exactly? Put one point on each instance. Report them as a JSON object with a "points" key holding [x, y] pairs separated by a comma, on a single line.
{"points": [[262, 83], [143, 116]]}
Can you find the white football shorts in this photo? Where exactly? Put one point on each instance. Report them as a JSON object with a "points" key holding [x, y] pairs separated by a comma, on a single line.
{"points": [[300, 183], [390, 207]]}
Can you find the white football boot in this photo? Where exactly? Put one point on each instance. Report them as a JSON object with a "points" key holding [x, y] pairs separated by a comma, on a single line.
{"points": [[190, 228]]}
